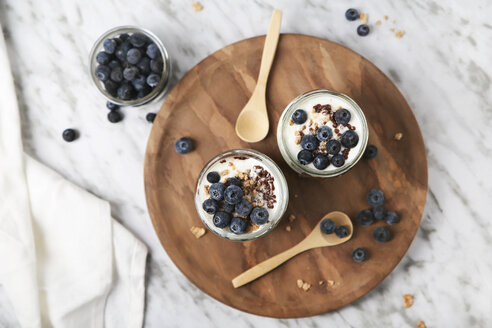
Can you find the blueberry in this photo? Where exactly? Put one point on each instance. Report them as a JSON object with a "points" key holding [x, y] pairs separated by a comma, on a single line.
{"points": [[309, 142], [122, 50], [126, 91], [327, 226], [234, 181], [114, 116], [144, 65], [233, 194], [259, 215], [243, 208], [114, 63], [130, 73], [213, 177], [153, 80], [305, 157], [321, 161], [144, 92], [103, 58], [138, 40], [238, 225], [381, 234], [337, 160], [156, 65], [216, 191], [342, 116], [349, 139], [351, 14], [139, 82], [111, 87], [370, 152], [109, 46], [111, 105], [363, 30], [226, 207], [222, 219], [333, 147], [102, 72], [116, 74], [391, 218], [299, 116], [365, 217], [375, 197], [210, 206], [183, 145], [153, 51], [378, 212], [324, 133], [359, 255], [69, 135], [133, 56], [123, 37], [341, 231], [150, 117]]}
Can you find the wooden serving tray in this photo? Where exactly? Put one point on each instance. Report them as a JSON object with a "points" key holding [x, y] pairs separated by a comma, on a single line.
{"points": [[204, 105]]}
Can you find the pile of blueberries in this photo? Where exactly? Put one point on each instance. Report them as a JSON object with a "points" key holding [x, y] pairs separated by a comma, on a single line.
{"points": [[310, 142], [226, 204]]}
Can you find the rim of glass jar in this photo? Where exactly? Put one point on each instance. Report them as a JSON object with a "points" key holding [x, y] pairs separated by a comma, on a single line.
{"points": [[292, 162], [284, 196], [158, 91]]}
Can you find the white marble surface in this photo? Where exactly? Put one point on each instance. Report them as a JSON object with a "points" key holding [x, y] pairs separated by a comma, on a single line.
{"points": [[442, 66]]}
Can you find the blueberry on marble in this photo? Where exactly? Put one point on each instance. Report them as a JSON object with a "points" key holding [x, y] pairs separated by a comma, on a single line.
{"points": [[324, 133], [349, 139], [226, 207], [370, 152], [116, 74], [259, 215], [233, 194], [110, 46], [183, 145], [321, 161], [138, 39], [365, 217], [103, 58], [309, 142], [126, 91], [153, 79], [234, 181], [144, 65], [327, 226], [133, 56], [375, 197], [111, 105], [114, 116], [130, 73], [210, 206], [363, 30], [305, 157], [359, 255], [238, 225], [102, 72], [152, 51], [221, 219], [156, 65], [243, 208], [391, 218], [342, 116], [216, 191], [150, 117], [213, 177], [381, 234], [351, 14], [341, 231], [69, 135], [299, 116], [337, 160], [378, 212], [333, 147]]}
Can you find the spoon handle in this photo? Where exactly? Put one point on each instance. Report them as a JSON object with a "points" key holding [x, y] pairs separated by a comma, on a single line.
{"points": [[269, 49], [268, 265]]}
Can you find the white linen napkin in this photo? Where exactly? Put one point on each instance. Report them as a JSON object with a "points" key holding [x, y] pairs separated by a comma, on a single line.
{"points": [[64, 261]]}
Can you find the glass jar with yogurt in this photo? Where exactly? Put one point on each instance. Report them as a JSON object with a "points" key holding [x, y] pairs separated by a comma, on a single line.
{"points": [[322, 133], [241, 195]]}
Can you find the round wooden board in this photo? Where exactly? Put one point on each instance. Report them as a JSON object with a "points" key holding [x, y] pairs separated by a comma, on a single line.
{"points": [[204, 105]]}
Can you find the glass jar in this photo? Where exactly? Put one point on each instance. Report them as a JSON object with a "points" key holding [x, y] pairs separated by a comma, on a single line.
{"points": [[288, 142], [157, 92], [236, 156]]}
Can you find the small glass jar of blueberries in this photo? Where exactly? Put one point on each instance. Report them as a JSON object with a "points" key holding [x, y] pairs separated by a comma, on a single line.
{"points": [[130, 66]]}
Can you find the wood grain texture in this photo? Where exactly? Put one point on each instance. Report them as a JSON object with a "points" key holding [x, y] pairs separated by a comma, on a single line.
{"points": [[204, 106]]}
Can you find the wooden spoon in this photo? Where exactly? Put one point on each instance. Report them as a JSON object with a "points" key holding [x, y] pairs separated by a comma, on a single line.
{"points": [[252, 123], [315, 239]]}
